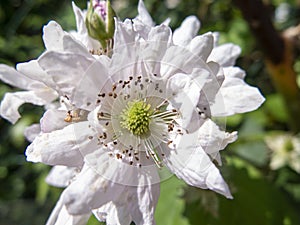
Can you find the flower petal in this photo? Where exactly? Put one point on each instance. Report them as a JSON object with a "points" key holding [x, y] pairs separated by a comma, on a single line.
{"points": [[60, 216], [124, 35], [33, 71], [63, 147], [52, 120], [114, 213], [143, 200], [53, 36], [14, 78], [56, 39], [235, 95], [225, 54], [103, 181], [61, 176], [79, 17], [208, 96], [202, 45], [185, 96], [189, 162], [143, 14], [212, 139], [180, 60], [66, 69], [90, 191], [159, 39], [12, 101], [187, 31], [143, 22], [76, 76], [32, 132]]}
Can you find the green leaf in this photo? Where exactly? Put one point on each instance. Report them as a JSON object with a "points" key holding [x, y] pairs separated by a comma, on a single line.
{"points": [[42, 189], [275, 108], [255, 152], [256, 201], [250, 145], [94, 221], [170, 204]]}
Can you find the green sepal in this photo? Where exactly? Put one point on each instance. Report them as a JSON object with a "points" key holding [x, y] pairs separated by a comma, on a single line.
{"points": [[98, 28]]}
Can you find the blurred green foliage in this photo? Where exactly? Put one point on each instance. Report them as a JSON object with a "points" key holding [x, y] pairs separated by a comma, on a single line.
{"points": [[262, 196]]}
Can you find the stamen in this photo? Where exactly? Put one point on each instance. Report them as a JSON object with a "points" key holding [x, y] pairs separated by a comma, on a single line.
{"points": [[152, 152]]}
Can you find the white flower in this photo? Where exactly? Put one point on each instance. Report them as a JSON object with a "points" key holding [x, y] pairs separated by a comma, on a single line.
{"points": [[285, 151], [123, 119], [147, 112]]}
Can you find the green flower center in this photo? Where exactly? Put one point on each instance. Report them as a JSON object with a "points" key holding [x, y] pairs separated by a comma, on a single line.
{"points": [[136, 117], [288, 145]]}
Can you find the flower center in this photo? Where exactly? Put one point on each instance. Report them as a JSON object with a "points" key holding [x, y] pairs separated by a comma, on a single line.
{"points": [[136, 117]]}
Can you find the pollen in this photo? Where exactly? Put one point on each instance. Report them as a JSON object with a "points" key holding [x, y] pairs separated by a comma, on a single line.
{"points": [[136, 117]]}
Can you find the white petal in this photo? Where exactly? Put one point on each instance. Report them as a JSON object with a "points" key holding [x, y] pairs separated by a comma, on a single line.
{"points": [[124, 34], [225, 54], [143, 201], [32, 132], [143, 22], [53, 36], [76, 76], [180, 60], [143, 14], [61, 176], [93, 189], [87, 89], [189, 162], [63, 147], [56, 39], [14, 78], [71, 45], [136, 204], [202, 45], [277, 162], [187, 31], [159, 39], [208, 96], [212, 139], [60, 216], [52, 120], [79, 17], [236, 96], [166, 22], [216, 38], [161, 34], [33, 70], [90, 191], [114, 213], [185, 95], [12, 101], [126, 51], [66, 69]]}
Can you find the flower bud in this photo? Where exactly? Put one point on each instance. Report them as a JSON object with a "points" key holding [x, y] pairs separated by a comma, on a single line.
{"points": [[100, 21]]}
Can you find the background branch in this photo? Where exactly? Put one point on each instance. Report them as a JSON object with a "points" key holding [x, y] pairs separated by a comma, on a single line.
{"points": [[278, 50]]}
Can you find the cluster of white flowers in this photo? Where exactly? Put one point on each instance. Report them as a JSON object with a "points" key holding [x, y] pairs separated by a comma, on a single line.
{"points": [[118, 116], [285, 151]]}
